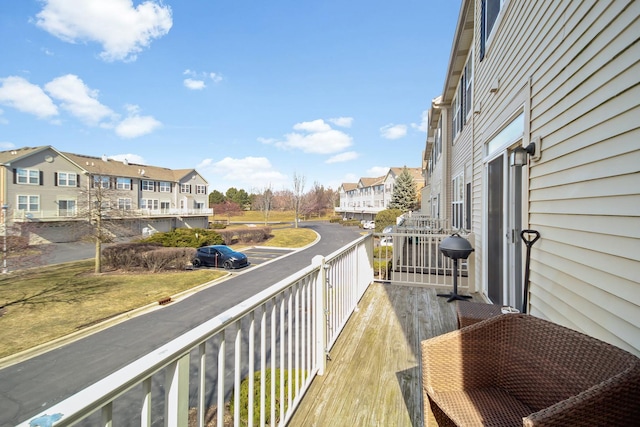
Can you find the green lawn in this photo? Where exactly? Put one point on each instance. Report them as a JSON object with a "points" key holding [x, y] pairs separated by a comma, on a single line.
{"points": [[40, 305]]}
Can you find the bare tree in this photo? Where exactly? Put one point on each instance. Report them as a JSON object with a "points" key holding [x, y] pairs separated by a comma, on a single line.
{"points": [[298, 194], [107, 210], [264, 202], [228, 208]]}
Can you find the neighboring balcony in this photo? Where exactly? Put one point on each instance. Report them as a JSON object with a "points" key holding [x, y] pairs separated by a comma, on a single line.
{"points": [[18, 215]]}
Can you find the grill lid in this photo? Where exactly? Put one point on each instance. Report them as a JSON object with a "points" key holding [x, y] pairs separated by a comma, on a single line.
{"points": [[456, 247]]}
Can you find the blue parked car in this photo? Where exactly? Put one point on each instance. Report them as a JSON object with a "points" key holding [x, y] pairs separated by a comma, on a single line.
{"points": [[219, 256]]}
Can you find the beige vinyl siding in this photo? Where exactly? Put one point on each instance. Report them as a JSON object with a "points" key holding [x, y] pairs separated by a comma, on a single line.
{"points": [[574, 67], [584, 193]]}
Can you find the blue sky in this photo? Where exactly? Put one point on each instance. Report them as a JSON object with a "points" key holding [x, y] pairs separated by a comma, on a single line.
{"points": [[247, 92]]}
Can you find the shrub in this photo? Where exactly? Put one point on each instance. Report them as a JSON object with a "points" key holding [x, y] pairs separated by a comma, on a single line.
{"points": [[383, 252], [162, 259], [382, 268], [245, 235], [126, 256], [386, 217], [186, 238], [352, 223], [149, 256], [244, 395]]}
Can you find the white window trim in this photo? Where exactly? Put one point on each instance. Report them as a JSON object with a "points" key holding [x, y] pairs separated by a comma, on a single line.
{"points": [[123, 183], [27, 177], [127, 205], [28, 202], [165, 187], [67, 175]]}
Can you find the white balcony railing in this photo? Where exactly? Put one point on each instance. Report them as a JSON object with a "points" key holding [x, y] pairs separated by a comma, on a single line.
{"points": [[64, 215], [284, 332]]}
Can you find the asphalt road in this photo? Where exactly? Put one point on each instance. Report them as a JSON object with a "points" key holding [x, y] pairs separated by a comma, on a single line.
{"points": [[29, 387]]}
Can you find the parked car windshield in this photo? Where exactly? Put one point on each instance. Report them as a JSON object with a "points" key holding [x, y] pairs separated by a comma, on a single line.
{"points": [[225, 250]]}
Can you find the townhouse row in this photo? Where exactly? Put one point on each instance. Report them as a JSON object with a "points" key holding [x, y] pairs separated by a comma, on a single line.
{"points": [[365, 198], [48, 193]]}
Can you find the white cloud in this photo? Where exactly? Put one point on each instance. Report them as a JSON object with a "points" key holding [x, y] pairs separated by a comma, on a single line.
{"points": [[78, 99], [136, 125], [194, 84], [343, 157], [248, 173], [122, 29], [423, 126], [196, 80], [7, 145], [313, 126], [377, 171], [17, 92], [316, 137], [344, 122], [131, 158], [392, 131]]}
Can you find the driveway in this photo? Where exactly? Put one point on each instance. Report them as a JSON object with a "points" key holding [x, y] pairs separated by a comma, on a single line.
{"points": [[29, 387]]}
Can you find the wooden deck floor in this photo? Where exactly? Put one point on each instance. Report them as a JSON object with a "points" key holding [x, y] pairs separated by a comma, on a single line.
{"points": [[373, 377]]}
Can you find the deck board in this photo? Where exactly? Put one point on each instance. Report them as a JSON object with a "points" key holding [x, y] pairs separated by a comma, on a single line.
{"points": [[373, 377]]}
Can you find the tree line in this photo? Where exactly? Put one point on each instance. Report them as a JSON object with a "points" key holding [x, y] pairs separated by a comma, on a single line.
{"points": [[316, 202]]}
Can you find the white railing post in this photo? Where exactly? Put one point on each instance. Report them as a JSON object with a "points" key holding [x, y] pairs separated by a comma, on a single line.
{"points": [[320, 316], [177, 393]]}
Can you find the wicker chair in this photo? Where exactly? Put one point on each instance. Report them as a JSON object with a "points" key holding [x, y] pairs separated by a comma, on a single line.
{"points": [[517, 369]]}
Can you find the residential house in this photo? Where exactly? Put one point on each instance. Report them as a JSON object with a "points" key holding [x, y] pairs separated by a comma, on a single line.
{"points": [[562, 80], [367, 197], [45, 191]]}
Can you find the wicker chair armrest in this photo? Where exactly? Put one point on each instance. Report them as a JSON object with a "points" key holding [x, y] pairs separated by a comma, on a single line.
{"points": [[615, 402]]}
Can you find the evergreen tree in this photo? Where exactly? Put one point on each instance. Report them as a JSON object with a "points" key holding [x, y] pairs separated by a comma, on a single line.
{"points": [[216, 197], [405, 193]]}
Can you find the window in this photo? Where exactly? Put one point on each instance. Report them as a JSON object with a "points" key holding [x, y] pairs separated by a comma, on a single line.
{"points": [[462, 100], [147, 185], [198, 205], [165, 187], [185, 188], [150, 204], [101, 182], [457, 202], [67, 179], [66, 207], [29, 203], [123, 183], [124, 203], [201, 189], [165, 206], [489, 11], [468, 86], [28, 176]]}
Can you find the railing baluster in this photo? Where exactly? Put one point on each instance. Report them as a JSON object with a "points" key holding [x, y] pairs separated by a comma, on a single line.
{"points": [[202, 373], [177, 393], [237, 374], [107, 415], [272, 373], [145, 412], [221, 369], [250, 369], [282, 354], [263, 365]]}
